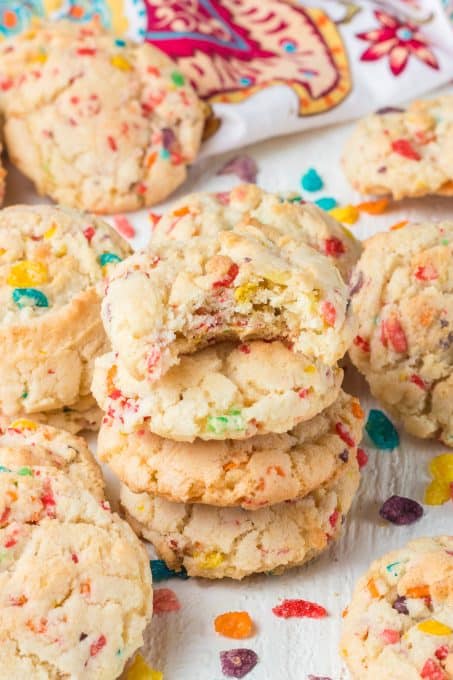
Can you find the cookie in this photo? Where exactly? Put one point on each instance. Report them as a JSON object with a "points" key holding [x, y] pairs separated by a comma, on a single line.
{"points": [[75, 582], [52, 267], [96, 122], [25, 443], [252, 473], [404, 153], [404, 305], [224, 391], [83, 415], [204, 214], [399, 625], [2, 176], [246, 283], [217, 542]]}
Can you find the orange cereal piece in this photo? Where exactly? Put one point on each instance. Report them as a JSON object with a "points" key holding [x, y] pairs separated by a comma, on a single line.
{"points": [[236, 625], [357, 410], [374, 207], [374, 592], [418, 591], [399, 225], [180, 212]]}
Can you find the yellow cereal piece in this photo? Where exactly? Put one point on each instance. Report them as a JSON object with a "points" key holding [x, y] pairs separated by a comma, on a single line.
{"points": [[118, 61], [139, 670], [310, 369], [38, 58], [50, 232], [245, 292], [345, 213], [2, 251], [441, 467], [212, 560], [437, 493], [433, 627], [23, 424], [62, 251], [27, 273]]}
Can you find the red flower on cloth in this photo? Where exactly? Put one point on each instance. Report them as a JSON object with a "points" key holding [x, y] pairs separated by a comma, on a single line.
{"points": [[399, 40]]}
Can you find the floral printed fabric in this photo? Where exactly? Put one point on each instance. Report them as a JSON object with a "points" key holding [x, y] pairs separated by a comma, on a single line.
{"points": [[274, 67]]}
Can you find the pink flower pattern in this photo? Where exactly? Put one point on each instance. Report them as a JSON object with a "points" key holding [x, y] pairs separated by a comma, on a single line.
{"points": [[398, 40]]}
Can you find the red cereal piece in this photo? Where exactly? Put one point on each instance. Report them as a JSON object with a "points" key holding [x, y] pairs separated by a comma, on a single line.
{"points": [[333, 519], [86, 51], [154, 219], [363, 344], [123, 226], [392, 332], [432, 671], [404, 148], [97, 646], [334, 247], [165, 600], [426, 272], [245, 349], [228, 278], [112, 143], [442, 652], [89, 232], [343, 433], [390, 636], [329, 313], [362, 458], [303, 392], [299, 609], [418, 381]]}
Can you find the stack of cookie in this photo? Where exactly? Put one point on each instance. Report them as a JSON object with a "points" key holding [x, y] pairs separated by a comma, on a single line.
{"points": [[75, 583], [225, 419], [52, 266]]}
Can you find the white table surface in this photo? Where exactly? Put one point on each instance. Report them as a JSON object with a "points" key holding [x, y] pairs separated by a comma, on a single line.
{"points": [[183, 645]]}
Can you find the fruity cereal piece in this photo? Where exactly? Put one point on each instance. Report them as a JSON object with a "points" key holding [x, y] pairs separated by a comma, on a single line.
{"points": [[381, 431], [401, 511], [237, 625], [299, 609], [237, 663], [440, 489], [165, 600], [140, 670]]}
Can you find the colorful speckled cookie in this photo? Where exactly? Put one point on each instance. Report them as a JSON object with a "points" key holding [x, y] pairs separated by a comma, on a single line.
{"points": [[222, 392], [25, 442], [405, 153], [217, 542], [75, 583], [404, 304], [246, 283], [204, 214], [52, 266], [96, 122], [251, 473], [399, 625], [2, 176]]}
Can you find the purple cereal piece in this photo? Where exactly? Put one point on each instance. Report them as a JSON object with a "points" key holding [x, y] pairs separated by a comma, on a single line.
{"points": [[238, 662], [243, 166], [357, 284], [168, 138], [400, 510], [400, 605], [389, 109], [344, 456]]}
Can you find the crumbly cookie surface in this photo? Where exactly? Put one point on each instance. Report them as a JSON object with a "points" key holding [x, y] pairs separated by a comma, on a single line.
{"points": [[252, 473], [404, 305], [52, 265], [97, 122], [75, 585], [405, 153], [246, 283], [215, 542], [25, 443], [399, 625], [2, 176], [205, 214], [224, 391]]}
